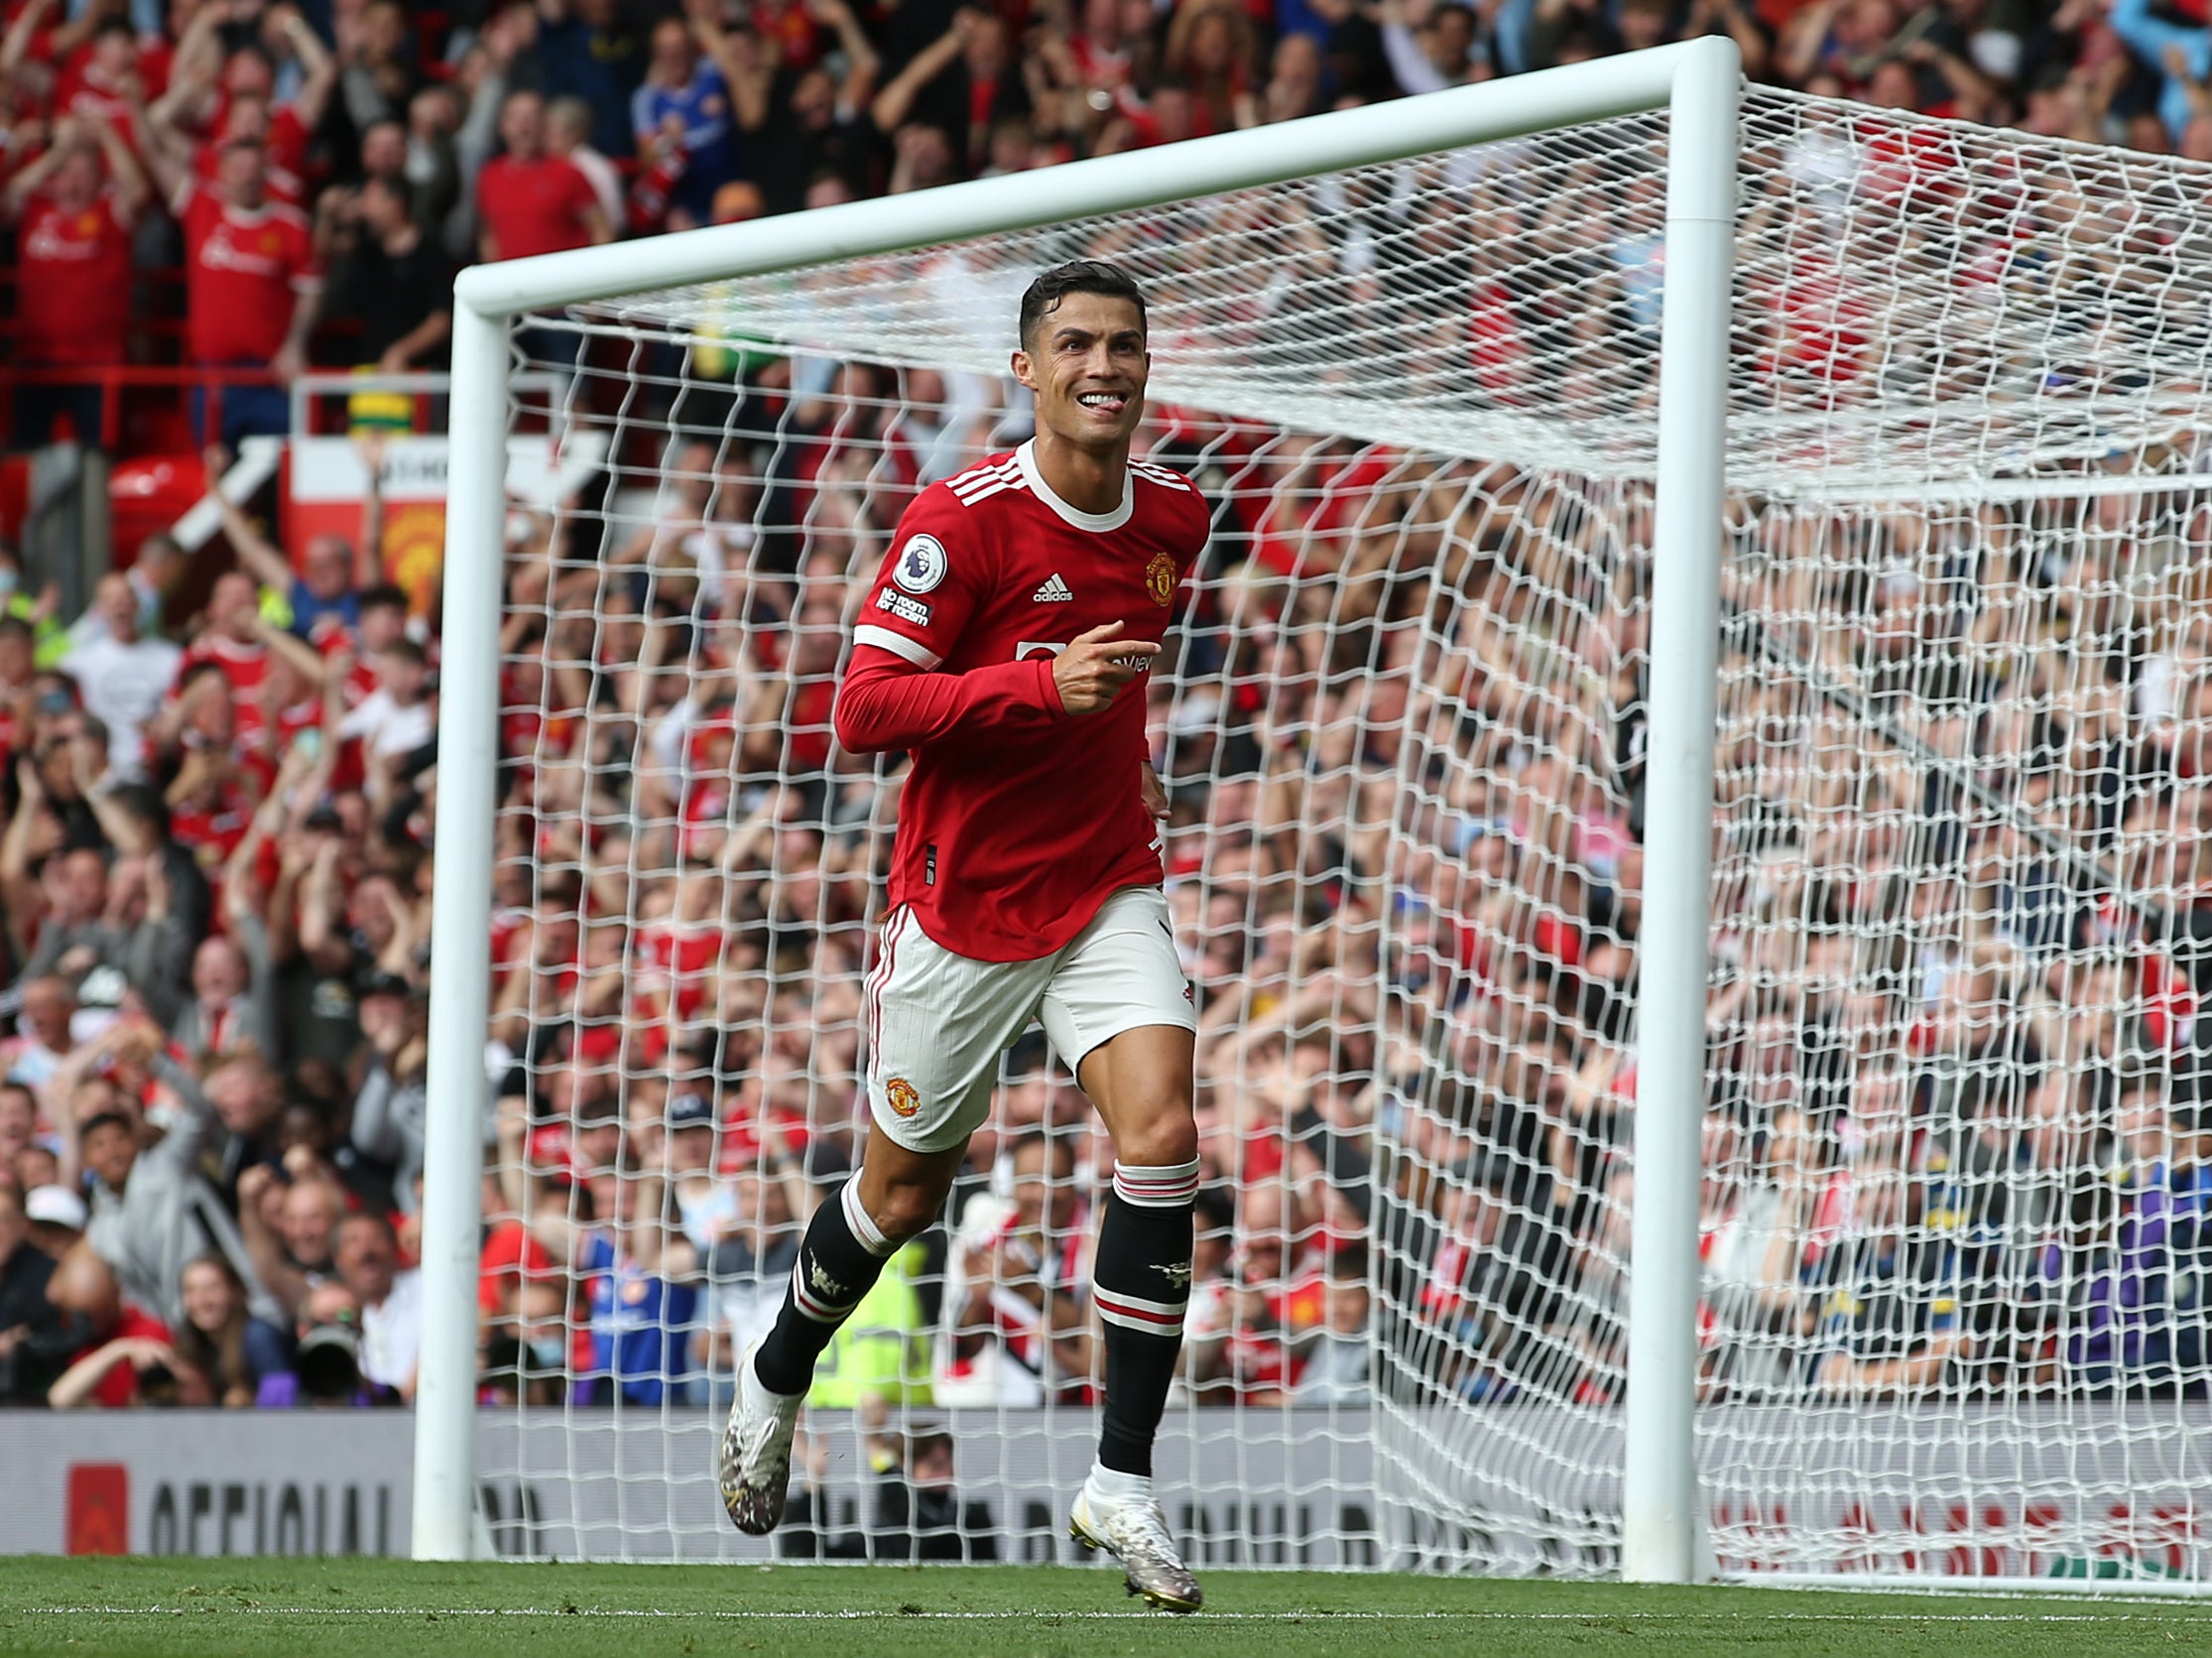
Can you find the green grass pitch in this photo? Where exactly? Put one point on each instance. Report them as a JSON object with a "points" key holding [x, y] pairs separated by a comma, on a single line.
{"points": [[184, 1609]]}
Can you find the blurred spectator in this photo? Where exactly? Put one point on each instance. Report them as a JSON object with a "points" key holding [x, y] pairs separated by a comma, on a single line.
{"points": [[1017, 1286], [253, 284], [326, 591], [74, 209], [125, 676], [568, 123], [701, 87], [365, 1255], [232, 1352], [34, 1346], [531, 202], [152, 1210], [325, 1362], [391, 274], [123, 1356]]}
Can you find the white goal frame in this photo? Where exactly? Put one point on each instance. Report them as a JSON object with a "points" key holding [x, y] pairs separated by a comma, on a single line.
{"points": [[1699, 83]]}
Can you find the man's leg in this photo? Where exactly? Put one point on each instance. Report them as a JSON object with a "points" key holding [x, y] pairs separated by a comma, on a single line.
{"points": [[1120, 1001], [894, 1196], [1141, 1082], [936, 1023]]}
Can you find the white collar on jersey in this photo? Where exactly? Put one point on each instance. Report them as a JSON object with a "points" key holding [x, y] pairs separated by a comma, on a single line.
{"points": [[1082, 520]]}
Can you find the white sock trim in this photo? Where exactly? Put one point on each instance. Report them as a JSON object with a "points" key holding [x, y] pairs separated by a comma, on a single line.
{"points": [[1116, 1487], [1171, 1187], [862, 1223]]}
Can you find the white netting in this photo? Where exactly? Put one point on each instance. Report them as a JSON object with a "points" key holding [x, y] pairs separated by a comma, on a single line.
{"points": [[1953, 1189]]}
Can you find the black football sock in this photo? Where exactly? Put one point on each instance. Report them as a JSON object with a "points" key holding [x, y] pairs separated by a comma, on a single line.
{"points": [[839, 1261], [1141, 1286]]}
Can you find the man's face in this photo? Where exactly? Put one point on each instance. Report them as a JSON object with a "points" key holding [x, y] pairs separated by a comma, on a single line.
{"points": [[118, 607], [244, 173], [381, 625], [109, 1152], [383, 150], [598, 1144], [244, 1101], [691, 1150], [1087, 364], [310, 1210], [521, 125], [365, 1259], [234, 604], [330, 561], [248, 119], [403, 676], [19, 1120], [47, 1008], [815, 99], [218, 972]]}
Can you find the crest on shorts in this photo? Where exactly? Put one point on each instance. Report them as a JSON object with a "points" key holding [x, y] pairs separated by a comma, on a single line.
{"points": [[903, 1099], [922, 563], [1160, 579]]}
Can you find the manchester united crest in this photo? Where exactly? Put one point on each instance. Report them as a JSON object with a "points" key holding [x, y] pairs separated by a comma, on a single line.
{"points": [[903, 1099], [1160, 579]]}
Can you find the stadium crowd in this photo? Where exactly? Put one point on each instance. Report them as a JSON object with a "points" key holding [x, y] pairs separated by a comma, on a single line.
{"points": [[1954, 1141]]}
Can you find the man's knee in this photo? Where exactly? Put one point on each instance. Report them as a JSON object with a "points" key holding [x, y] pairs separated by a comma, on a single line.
{"points": [[1158, 1139], [904, 1211]]}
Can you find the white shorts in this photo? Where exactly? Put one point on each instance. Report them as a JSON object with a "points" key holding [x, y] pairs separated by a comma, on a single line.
{"points": [[938, 1021]]}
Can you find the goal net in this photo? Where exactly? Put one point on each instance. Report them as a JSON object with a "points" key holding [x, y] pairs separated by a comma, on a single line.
{"points": [[1955, 1172]]}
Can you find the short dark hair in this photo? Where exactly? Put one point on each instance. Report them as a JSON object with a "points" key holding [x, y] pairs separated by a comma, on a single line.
{"points": [[394, 184], [385, 595], [1079, 276], [104, 1119]]}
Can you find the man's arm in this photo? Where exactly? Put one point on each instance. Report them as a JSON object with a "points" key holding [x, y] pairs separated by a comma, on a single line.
{"points": [[131, 187], [291, 360], [862, 66], [255, 551], [888, 703], [320, 65], [27, 183], [15, 46], [263, 1247], [897, 100]]}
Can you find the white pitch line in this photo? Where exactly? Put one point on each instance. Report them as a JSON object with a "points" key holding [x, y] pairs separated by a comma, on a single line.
{"points": [[223, 1603]]}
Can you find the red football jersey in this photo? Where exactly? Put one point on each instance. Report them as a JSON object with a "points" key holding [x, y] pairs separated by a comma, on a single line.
{"points": [[1019, 819], [75, 290], [245, 271], [534, 206]]}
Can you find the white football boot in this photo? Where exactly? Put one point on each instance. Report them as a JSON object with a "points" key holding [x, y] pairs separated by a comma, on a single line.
{"points": [[754, 1469], [1135, 1532]]}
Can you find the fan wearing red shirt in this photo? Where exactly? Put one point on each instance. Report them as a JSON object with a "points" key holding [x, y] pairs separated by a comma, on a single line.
{"points": [[74, 274], [528, 201], [251, 285], [1006, 646]]}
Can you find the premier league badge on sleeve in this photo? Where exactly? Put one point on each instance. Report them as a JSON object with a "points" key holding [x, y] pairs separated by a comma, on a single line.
{"points": [[921, 564]]}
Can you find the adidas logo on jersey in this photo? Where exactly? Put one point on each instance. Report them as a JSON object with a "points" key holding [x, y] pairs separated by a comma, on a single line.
{"points": [[1055, 592]]}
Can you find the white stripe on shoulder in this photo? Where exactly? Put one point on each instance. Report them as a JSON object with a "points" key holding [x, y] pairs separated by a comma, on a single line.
{"points": [[973, 497], [961, 482], [897, 644], [1162, 475]]}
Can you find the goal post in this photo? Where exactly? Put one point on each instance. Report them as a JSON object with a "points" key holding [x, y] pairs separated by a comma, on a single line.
{"points": [[1663, 1528]]}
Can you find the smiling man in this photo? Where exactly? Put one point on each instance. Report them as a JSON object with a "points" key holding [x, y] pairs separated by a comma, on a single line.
{"points": [[1006, 644]]}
